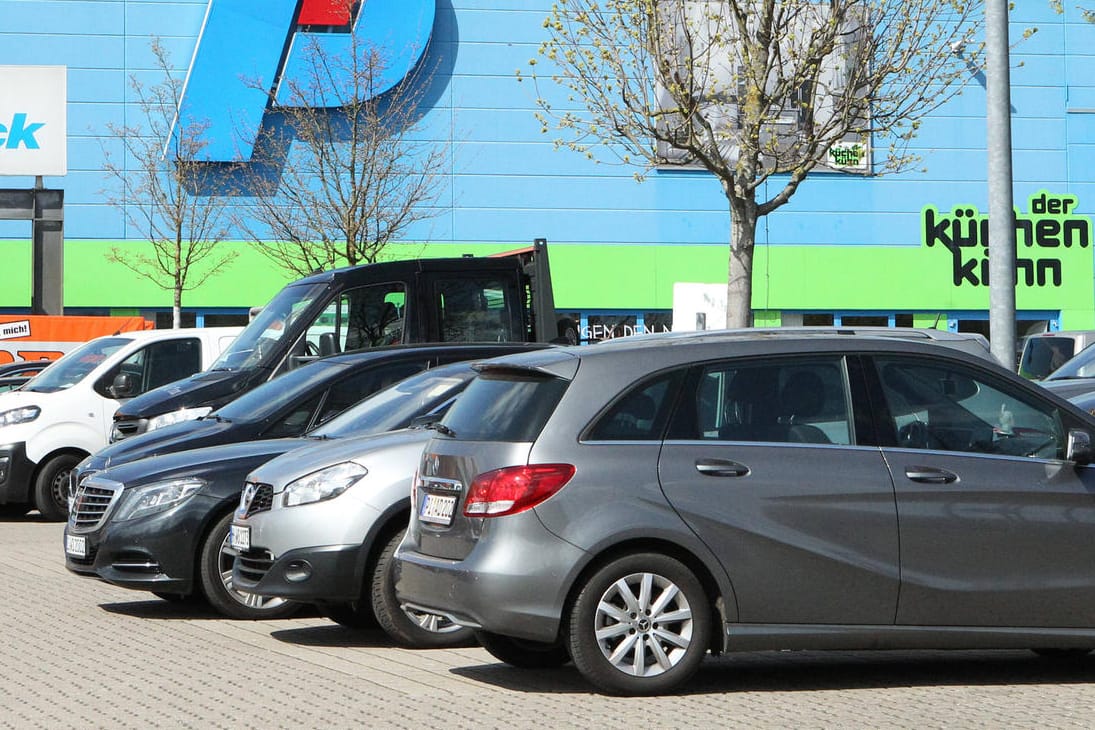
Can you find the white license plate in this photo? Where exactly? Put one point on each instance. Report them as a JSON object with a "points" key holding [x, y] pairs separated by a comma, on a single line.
{"points": [[239, 537], [76, 546], [437, 508]]}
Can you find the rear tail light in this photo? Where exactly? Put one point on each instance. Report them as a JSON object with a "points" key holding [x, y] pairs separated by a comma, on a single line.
{"points": [[515, 489]]}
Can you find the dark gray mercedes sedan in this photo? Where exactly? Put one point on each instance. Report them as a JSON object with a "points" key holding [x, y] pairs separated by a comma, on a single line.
{"points": [[634, 505]]}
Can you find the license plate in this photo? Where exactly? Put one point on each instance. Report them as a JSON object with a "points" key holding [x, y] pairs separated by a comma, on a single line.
{"points": [[76, 546], [437, 508], [239, 537]]}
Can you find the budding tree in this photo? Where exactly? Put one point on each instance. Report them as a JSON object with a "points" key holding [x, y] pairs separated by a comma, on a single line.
{"points": [[760, 93], [165, 191], [338, 171]]}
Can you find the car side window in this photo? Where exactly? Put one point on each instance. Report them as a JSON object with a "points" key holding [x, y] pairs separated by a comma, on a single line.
{"points": [[938, 406], [639, 415], [349, 391], [801, 400]]}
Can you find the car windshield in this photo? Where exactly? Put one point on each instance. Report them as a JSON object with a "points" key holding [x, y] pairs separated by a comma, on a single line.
{"points": [[1081, 366], [271, 396], [269, 326], [396, 406], [74, 366]]}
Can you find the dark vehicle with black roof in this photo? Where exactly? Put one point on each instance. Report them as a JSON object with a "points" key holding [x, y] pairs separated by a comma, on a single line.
{"points": [[504, 298]]}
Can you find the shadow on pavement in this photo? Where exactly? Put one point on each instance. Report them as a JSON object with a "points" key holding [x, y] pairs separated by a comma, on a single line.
{"points": [[157, 608], [333, 635], [813, 671]]}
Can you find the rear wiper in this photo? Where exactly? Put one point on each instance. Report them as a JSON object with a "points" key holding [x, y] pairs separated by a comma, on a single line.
{"points": [[442, 429]]}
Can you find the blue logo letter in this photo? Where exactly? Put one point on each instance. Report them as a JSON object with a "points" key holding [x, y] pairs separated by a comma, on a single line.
{"points": [[248, 42]]}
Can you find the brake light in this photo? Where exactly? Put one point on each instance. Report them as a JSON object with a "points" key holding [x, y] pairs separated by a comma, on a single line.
{"points": [[515, 489]]}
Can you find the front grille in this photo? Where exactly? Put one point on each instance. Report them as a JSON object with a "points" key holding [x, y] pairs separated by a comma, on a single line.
{"points": [[253, 565], [125, 429], [91, 502], [257, 498]]}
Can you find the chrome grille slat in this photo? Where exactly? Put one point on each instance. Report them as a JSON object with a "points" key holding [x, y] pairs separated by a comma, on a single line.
{"points": [[91, 502], [257, 498]]}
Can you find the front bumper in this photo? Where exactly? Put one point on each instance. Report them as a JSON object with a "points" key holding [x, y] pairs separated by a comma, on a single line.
{"points": [[312, 553], [514, 581], [157, 553], [16, 474]]}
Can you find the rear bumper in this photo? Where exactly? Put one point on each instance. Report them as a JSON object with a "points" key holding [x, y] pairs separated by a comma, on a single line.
{"points": [[512, 593]]}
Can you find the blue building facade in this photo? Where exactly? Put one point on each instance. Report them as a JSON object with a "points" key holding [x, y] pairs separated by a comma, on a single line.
{"points": [[618, 246]]}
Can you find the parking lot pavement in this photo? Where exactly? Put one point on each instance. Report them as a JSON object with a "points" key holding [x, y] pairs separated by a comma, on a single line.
{"points": [[76, 653]]}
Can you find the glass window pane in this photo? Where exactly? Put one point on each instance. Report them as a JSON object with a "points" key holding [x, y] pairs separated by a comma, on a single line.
{"points": [[936, 406]]}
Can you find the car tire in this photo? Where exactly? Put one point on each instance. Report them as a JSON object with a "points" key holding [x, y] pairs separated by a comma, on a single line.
{"points": [[51, 487], [215, 572], [354, 615], [521, 653], [625, 640], [410, 629]]}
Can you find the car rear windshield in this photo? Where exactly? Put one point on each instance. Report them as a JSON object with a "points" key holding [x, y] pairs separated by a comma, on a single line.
{"points": [[507, 405]]}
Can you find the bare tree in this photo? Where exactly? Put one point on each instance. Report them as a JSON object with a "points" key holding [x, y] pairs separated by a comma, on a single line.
{"points": [[166, 192], [339, 171], [748, 89]]}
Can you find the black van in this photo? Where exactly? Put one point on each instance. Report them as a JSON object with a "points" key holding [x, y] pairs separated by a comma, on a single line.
{"points": [[506, 298]]}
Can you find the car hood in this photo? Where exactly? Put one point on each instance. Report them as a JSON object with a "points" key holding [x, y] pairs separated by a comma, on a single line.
{"points": [[319, 455], [201, 462], [1069, 387], [176, 437], [208, 388]]}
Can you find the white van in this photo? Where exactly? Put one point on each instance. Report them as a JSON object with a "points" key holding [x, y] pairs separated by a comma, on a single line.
{"points": [[65, 413], [1041, 354]]}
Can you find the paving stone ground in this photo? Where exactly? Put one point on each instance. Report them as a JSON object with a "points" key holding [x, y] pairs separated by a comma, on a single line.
{"points": [[77, 653]]}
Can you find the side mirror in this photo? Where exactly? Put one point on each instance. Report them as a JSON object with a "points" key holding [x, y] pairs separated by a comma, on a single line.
{"points": [[328, 344], [124, 386], [1079, 447]]}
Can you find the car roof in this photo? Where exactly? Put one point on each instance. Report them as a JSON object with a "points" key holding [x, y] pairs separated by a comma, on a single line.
{"points": [[659, 350], [472, 349]]}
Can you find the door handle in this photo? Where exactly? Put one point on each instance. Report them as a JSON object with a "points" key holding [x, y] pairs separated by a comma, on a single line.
{"points": [[930, 475], [721, 468]]}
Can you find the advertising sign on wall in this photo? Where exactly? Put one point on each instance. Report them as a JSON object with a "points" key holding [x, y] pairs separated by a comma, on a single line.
{"points": [[33, 132]]}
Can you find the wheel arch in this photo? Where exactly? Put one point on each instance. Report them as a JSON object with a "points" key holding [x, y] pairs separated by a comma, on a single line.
{"points": [[391, 521], [716, 601]]}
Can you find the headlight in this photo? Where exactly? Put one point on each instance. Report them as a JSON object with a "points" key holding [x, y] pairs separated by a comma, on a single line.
{"points": [[184, 414], [158, 497], [323, 484], [26, 414]]}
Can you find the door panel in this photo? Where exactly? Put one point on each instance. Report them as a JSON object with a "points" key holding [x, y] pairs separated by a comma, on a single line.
{"points": [[808, 535], [1009, 542], [761, 464], [996, 528]]}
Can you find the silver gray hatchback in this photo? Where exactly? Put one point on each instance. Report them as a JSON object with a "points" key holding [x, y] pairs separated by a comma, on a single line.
{"points": [[635, 505]]}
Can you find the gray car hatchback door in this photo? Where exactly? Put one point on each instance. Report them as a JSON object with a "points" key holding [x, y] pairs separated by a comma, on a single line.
{"points": [[761, 460], [996, 526]]}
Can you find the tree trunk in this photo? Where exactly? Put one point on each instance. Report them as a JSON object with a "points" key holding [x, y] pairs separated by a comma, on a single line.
{"points": [[176, 308], [739, 283]]}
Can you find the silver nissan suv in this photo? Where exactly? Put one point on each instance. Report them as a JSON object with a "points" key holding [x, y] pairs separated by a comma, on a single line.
{"points": [[635, 505]]}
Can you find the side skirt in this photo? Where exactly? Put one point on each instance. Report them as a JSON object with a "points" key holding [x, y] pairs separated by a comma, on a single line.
{"points": [[763, 637]]}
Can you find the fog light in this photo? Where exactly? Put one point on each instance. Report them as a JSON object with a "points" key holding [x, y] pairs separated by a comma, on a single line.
{"points": [[298, 571]]}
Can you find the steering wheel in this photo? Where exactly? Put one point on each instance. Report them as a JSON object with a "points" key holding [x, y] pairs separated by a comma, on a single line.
{"points": [[913, 435]]}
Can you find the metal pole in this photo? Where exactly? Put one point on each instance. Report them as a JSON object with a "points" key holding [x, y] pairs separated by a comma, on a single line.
{"points": [[1001, 205]]}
